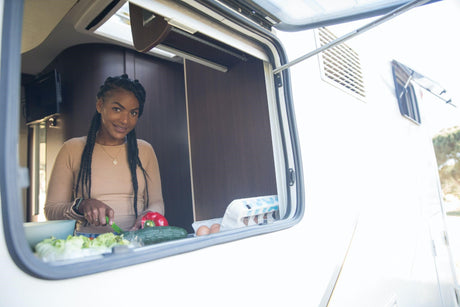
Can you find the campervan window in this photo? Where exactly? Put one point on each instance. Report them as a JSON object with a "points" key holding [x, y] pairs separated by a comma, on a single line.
{"points": [[405, 93], [222, 136]]}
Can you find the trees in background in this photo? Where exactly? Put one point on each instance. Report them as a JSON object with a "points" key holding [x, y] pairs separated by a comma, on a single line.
{"points": [[447, 148]]}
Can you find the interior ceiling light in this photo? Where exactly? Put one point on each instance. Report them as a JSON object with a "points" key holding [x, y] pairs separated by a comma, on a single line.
{"points": [[118, 27]]}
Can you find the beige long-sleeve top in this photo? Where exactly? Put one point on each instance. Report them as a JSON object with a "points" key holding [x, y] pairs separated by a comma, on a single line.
{"points": [[110, 183]]}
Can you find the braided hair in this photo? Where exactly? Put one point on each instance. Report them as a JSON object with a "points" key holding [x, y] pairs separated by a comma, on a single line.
{"points": [[84, 175]]}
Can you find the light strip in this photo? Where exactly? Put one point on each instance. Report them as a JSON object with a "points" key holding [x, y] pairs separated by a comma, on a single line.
{"points": [[118, 28], [195, 59]]}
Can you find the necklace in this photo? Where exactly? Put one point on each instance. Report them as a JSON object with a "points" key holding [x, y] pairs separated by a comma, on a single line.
{"points": [[114, 159]]}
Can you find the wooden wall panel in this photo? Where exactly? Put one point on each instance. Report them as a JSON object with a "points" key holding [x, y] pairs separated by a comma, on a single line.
{"points": [[83, 69], [164, 125], [231, 148]]}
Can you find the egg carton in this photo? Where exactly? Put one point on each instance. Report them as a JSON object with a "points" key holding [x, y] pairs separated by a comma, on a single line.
{"points": [[207, 223], [251, 211], [245, 212]]}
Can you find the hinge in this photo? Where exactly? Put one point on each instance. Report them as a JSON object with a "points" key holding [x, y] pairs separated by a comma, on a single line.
{"points": [[278, 80], [291, 177]]}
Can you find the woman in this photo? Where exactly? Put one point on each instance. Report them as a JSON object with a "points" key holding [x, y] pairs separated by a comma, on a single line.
{"points": [[109, 173]]}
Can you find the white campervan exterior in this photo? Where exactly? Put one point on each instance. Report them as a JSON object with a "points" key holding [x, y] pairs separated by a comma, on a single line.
{"points": [[361, 219]]}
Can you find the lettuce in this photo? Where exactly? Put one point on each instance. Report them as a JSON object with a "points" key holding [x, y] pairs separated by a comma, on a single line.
{"points": [[53, 249], [109, 240]]}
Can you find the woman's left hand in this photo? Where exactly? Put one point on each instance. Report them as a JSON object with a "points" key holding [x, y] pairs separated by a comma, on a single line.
{"points": [[137, 224]]}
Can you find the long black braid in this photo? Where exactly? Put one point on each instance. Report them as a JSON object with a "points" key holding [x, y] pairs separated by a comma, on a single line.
{"points": [[84, 175]]}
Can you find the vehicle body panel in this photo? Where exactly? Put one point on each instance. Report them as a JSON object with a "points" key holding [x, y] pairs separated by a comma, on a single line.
{"points": [[362, 230]]}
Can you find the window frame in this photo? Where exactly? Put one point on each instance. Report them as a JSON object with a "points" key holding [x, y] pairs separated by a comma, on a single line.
{"points": [[405, 94], [12, 214]]}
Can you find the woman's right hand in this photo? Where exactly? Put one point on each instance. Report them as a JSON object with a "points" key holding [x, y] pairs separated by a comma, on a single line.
{"points": [[95, 212]]}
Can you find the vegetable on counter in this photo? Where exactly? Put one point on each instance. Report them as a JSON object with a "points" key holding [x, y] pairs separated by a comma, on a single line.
{"points": [[53, 249], [151, 235], [151, 219], [73, 247], [114, 226]]}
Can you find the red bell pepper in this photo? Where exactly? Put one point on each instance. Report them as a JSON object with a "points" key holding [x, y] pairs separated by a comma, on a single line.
{"points": [[157, 218]]}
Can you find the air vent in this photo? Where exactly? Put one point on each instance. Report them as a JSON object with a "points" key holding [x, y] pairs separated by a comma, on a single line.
{"points": [[340, 65]]}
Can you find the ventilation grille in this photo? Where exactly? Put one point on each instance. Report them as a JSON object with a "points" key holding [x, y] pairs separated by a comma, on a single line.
{"points": [[340, 65]]}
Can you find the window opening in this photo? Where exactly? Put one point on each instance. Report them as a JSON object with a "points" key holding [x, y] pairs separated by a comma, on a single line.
{"points": [[263, 210]]}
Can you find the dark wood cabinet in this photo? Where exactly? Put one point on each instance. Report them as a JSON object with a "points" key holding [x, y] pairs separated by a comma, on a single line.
{"points": [[164, 125], [231, 147]]}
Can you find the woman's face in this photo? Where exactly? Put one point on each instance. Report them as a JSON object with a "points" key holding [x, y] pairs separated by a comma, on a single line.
{"points": [[119, 111]]}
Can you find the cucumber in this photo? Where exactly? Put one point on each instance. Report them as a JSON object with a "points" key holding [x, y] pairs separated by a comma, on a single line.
{"points": [[151, 235]]}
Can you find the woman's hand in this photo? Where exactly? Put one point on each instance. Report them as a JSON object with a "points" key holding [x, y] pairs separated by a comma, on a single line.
{"points": [[95, 212], [137, 223]]}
